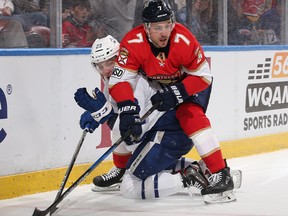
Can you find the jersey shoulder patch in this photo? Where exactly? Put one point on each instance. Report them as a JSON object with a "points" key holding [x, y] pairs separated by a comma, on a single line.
{"points": [[117, 72]]}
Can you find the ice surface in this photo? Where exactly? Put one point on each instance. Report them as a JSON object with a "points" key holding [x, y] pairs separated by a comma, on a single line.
{"points": [[264, 192]]}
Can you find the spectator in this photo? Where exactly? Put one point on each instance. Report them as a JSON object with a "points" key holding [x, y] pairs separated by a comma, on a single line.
{"points": [[45, 9], [29, 14], [38, 33], [6, 8], [243, 22], [76, 31], [26, 6], [35, 22], [45, 5], [11, 31], [270, 24], [12, 34], [252, 10], [235, 15], [269, 4], [116, 17], [66, 8], [199, 19]]}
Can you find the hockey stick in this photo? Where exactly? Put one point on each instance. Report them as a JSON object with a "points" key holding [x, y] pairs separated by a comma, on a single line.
{"points": [[67, 174], [38, 212]]}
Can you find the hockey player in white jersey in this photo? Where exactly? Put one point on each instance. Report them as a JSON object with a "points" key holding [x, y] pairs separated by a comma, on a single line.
{"points": [[159, 125], [156, 168]]}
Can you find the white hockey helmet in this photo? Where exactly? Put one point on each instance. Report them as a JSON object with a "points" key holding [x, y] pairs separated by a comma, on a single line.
{"points": [[104, 49]]}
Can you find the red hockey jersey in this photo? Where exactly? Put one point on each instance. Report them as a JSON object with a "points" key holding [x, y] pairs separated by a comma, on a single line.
{"points": [[185, 57]]}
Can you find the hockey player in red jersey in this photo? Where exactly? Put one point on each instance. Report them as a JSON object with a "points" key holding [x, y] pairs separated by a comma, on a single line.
{"points": [[172, 171], [167, 52]]}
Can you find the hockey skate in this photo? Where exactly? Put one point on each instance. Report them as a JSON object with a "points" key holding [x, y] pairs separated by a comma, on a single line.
{"points": [[237, 178], [194, 179], [235, 173], [109, 181], [220, 189]]}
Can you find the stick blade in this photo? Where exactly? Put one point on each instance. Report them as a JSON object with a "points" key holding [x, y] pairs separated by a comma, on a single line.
{"points": [[53, 210], [38, 212]]}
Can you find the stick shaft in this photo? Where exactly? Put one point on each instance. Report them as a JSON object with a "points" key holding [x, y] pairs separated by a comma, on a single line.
{"points": [[67, 174], [38, 212]]}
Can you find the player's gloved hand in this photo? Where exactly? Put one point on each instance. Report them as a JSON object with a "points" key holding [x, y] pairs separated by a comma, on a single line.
{"points": [[129, 120], [170, 96], [100, 109], [87, 121]]}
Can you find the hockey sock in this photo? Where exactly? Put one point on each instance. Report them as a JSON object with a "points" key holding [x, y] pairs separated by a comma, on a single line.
{"points": [[215, 161], [208, 148], [120, 161]]}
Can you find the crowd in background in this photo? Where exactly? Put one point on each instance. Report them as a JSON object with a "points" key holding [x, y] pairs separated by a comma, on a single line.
{"points": [[255, 22], [25, 23]]}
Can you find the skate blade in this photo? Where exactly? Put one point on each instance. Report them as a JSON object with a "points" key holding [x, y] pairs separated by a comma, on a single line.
{"points": [[237, 178], [115, 187], [193, 192], [225, 197]]}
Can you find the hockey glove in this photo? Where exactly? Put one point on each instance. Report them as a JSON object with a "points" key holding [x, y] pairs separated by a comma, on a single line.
{"points": [[129, 121], [87, 121], [100, 109], [170, 96]]}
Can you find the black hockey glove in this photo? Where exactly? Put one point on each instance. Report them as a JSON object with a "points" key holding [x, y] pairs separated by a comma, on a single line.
{"points": [[170, 96], [129, 121]]}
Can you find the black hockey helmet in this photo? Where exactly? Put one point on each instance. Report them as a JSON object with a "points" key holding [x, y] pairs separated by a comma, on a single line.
{"points": [[156, 11]]}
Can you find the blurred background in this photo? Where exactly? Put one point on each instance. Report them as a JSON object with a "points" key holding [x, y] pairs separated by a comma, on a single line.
{"points": [[77, 23]]}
